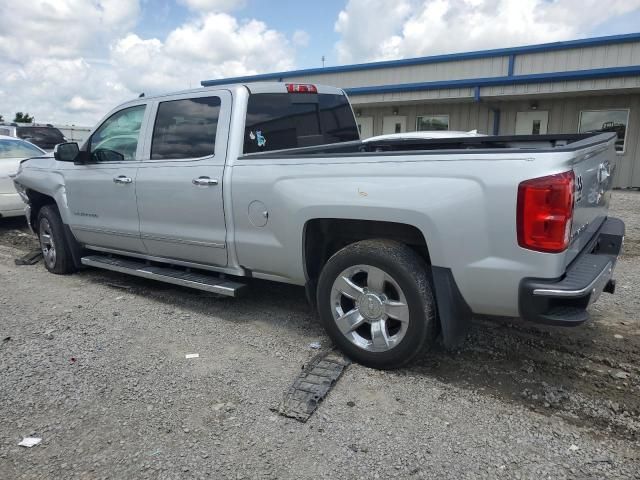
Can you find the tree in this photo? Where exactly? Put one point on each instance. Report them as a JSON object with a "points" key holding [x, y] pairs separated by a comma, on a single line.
{"points": [[1, 118], [23, 118]]}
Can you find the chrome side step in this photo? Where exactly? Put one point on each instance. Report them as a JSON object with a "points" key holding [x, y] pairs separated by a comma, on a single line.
{"points": [[199, 281]]}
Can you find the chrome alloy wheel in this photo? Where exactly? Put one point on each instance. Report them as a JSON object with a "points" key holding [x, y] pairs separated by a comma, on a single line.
{"points": [[47, 244], [369, 308]]}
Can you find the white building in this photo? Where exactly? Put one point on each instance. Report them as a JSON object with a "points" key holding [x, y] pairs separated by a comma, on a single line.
{"points": [[562, 87]]}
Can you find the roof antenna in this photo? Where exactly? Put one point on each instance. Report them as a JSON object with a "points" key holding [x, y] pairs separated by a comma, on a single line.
{"points": [[141, 95]]}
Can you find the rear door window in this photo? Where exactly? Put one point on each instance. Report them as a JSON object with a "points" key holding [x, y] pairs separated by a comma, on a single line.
{"points": [[185, 128], [277, 121]]}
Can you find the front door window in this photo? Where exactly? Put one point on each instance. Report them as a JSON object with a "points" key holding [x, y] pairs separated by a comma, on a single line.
{"points": [[117, 138]]}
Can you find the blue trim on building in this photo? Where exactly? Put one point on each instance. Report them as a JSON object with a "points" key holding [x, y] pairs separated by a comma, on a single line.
{"points": [[476, 94], [591, 74], [512, 65], [450, 57]]}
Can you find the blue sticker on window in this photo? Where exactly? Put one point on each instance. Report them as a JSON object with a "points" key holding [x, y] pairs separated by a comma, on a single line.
{"points": [[260, 140]]}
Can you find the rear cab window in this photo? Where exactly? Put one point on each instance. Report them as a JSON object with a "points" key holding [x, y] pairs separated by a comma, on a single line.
{"points": [[277, 121]]}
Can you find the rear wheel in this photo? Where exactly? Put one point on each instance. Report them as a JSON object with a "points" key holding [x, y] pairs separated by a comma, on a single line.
{"points": [[376, 303], [54, 246]]}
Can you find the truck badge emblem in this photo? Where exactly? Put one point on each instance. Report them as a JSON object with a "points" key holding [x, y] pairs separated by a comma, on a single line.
{"points": [[578, 189]]}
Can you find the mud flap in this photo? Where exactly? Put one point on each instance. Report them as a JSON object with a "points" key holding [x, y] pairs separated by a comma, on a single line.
{"points": [[76, 250], [312, 385], [453, 311]]}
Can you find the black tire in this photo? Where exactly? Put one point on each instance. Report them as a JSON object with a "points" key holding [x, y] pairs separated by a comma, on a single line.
{"points": [[50, 223], [407, 269]]}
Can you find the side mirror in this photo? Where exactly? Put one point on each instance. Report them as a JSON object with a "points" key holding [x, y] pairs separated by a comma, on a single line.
{"points": [[66, 152]]}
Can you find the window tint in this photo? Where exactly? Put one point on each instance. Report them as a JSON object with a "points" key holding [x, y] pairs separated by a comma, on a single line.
{"points": [[284, 120], [18, 149], [185, 128], [117, 138]]}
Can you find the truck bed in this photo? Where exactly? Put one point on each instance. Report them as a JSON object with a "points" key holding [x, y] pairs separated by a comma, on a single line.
{"points": [[499, 144]]}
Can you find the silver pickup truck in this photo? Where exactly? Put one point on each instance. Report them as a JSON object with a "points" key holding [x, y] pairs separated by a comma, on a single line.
{"points": [[397, 241]]}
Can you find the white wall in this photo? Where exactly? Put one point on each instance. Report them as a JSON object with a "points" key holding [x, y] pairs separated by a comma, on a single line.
{"points": [[564, 116], [74, 133]]}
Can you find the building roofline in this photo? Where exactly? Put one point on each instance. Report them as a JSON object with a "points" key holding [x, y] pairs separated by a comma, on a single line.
{"points": [[449, 57], [591, 74]]}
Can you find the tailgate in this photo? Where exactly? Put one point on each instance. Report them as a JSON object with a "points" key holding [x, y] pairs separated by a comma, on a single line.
{"points": [[593, 169]]}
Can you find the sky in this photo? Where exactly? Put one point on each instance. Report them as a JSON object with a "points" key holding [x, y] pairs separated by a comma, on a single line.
{"points": [[71, 61]]}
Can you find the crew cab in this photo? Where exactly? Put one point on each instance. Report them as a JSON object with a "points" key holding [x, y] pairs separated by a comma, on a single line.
{"points": [[397, 241]]}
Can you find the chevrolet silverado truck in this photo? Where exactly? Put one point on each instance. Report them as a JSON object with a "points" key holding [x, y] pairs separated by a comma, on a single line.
{"points": [[397, 241]]}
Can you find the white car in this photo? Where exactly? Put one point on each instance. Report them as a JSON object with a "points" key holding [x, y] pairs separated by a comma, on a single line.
{"points": [[12, 151], [425, 135]]}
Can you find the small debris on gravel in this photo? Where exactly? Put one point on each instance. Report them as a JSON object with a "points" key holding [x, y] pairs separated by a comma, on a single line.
{"points": [[29, 442]]}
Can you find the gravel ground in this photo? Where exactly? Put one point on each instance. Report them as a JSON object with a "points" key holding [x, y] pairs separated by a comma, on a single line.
{"points": [[94, 363]]}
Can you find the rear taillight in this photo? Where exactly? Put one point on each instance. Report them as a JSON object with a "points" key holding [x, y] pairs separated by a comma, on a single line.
{"points": [[545, 211], [301, 88]]}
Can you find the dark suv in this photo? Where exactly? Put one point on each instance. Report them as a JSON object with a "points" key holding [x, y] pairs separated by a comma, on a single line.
{"points": [[44, 136]]}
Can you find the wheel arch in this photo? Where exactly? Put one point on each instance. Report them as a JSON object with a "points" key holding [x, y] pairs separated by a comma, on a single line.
{"points": [[323, 237], [37, 200]]}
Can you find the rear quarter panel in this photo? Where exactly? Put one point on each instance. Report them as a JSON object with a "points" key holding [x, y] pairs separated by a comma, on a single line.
{"points": [[463, 203]]}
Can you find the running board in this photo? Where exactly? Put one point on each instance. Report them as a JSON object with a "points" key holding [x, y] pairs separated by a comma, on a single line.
{"points": [[199, 281]]}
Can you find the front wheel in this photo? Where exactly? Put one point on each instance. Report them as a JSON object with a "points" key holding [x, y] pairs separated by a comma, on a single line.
{"points": [[376, 303], [54, 245]]}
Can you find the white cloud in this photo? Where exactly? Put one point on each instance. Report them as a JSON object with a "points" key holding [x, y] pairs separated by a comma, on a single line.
{"points": [[45, 52], [301, 38], [71, 61], [213, 46], [213, 5], [61, 28], [380, 30]]}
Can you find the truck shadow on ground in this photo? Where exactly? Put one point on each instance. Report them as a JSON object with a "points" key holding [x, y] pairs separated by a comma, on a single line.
{"points": [[585, 374]]}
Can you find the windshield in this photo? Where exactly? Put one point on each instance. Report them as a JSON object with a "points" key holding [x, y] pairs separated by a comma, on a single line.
{"points": [[44, 137], [18, 149], [277, 121]]}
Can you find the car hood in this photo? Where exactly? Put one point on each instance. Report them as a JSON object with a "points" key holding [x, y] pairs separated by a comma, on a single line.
{"points": [[9, 166], [43, 161]]}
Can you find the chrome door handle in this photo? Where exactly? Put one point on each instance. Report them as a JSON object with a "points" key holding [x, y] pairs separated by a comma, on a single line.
{"points": [[206, 181], [122, 179]]}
